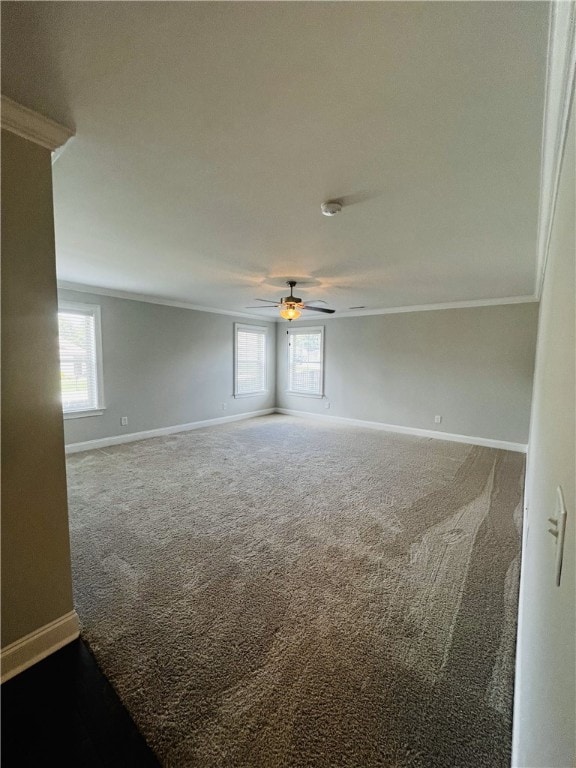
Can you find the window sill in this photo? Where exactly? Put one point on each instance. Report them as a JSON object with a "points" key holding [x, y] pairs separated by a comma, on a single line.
{"points": [[84, 414], [304, 394], [251, 394]]}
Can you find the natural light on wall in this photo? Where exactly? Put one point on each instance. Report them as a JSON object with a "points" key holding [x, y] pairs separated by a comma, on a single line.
{"points": [[79, 358]]}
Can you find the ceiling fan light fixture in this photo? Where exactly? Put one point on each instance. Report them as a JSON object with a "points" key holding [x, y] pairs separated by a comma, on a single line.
{"points": [[290, 312], [291, 306]]}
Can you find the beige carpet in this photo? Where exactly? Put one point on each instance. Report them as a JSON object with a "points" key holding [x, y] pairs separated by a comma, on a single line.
{"points": [[281, 592]]}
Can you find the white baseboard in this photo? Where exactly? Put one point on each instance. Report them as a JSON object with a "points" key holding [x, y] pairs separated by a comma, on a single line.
{"points": [[34, 647], [522, 630], [104, 442], [484, 441]]}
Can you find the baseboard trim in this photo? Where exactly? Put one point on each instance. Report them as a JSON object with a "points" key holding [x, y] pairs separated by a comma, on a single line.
{"points": [[39, 644], [521, 632], [434, 434], [133, 437], [104, 442]]}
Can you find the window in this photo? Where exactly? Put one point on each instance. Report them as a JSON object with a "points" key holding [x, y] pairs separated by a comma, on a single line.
{"points": [[306, 361], [80, 359], [249, 360]]}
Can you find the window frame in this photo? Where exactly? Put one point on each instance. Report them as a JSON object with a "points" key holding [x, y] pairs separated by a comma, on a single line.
{"points": [[95, 311], [262, 329], [300, 331]]}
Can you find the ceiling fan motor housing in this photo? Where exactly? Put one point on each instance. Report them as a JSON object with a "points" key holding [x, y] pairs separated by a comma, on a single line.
{"points": [[291, 299]]}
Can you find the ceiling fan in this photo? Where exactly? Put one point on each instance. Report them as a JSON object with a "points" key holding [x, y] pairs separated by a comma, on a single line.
{"points": [[290, 306]]}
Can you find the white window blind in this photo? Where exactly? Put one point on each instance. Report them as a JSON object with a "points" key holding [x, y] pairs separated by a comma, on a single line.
{"points": [[306, 361], [249, 359], [80, 366]]}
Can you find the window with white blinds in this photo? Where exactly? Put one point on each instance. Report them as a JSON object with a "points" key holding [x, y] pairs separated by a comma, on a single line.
{"points": [[306, 361], [249, 359], [80, 357]]}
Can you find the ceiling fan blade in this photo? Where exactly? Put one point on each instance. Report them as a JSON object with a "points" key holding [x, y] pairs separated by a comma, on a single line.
{"points": [[319, 309], [272, 306], [270, 301]]}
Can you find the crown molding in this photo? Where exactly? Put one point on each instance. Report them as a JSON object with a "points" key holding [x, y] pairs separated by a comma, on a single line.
{"points": [[426, 307], [64, 285], [33, 126], [560, 81]]}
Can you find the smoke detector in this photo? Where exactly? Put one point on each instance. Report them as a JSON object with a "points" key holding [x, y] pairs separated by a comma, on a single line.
{"points": [[331, 208]]}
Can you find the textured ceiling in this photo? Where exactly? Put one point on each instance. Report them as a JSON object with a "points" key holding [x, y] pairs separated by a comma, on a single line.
{"points": [[208, 134]]}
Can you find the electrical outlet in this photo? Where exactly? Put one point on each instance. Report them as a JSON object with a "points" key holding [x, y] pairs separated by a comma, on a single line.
{"points": [[437, 419], [124, 421], [327, 404], [224, 406]]}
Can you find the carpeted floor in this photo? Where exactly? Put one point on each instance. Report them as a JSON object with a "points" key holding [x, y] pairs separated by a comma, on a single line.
{"points": [[282, 592]]}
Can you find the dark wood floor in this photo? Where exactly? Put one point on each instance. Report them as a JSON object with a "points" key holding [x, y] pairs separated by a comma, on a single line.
{"points": [[64, 712]]}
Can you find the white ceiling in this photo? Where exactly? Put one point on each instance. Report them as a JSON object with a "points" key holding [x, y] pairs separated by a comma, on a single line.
{"points": [[208, 134]]}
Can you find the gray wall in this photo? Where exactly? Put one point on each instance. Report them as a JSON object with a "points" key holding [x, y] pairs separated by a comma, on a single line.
{"points": [[36, 579], [164, 366], [472, 366], [545, 700]]}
